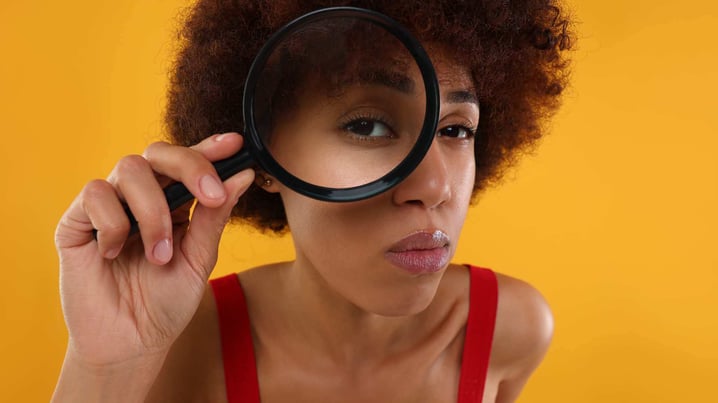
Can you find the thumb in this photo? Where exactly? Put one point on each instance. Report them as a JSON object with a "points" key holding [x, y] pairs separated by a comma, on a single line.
{"points": [[201, 242]]}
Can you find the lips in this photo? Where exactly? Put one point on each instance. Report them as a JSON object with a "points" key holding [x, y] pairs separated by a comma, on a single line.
{"points": [[422, 252]]}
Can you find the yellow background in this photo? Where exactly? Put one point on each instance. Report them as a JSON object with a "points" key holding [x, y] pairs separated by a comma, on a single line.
{"points": [[614, 219]]}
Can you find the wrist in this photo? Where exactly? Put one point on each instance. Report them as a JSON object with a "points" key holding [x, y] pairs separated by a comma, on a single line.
{"points": [[126, 381]]}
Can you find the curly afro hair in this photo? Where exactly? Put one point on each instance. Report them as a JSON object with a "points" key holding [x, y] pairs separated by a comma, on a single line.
{"points": [[515, 50]]}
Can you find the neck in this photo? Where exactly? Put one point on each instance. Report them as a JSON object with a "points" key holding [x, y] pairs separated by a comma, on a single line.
{"points": [[345, 333]]}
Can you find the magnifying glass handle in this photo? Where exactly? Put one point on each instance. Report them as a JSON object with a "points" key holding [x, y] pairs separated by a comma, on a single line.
{"points": [[177, 193]]}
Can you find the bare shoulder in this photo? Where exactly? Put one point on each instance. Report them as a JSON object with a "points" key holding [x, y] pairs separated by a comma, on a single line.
{"points": [[524, 328], [524, 322], [193, 370]]}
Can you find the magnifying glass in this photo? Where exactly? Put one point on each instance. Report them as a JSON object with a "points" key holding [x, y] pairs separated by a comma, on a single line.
{"points": [[340, 105]]}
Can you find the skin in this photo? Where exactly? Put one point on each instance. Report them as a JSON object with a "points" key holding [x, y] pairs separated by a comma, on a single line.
{"points": [[340, 323]]}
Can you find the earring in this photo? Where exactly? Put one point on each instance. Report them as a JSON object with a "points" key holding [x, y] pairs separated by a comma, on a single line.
{"points": [[267, 182]]}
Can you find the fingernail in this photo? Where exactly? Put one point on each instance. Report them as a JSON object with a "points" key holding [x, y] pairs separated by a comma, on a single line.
{"points": [[247, 177], [222, 136], [211, 187], [163, 250], [112, 253]]}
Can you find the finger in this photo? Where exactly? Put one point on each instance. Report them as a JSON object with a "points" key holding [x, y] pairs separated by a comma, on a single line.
{"points": [[219, 146], [93, 208], [181, 215], [193, 167], [135, 179], [107, 215], [202, 238], [213, 148]]}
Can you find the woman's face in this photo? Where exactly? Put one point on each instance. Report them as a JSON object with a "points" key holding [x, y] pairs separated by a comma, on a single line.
{"points": [[385, 254]]}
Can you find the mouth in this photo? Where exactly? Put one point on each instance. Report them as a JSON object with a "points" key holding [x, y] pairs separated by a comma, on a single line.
{"points": [[423, 252]]}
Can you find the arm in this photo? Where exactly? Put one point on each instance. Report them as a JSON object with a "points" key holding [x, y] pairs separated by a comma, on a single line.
{"points": [[125, 382], [193, 370], [126, 299], [524, 329]]}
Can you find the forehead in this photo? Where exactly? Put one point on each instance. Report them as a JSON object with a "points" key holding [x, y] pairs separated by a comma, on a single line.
{"points": [[330, 73], [450, 72], [401, 73]]}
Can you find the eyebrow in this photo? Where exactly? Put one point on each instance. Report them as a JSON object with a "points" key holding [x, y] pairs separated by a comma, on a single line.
{"points": [[463, 96], [406, 85], [391, 79]]}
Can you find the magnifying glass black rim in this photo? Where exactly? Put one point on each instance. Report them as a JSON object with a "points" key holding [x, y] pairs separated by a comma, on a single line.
{"points": [[263, 157]]}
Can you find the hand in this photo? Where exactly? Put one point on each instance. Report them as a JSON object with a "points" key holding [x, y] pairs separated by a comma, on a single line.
{"points": [[123, 297]]}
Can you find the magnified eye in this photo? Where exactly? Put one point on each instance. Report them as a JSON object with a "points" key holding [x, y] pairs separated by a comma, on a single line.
{"points": [[457, 131], [368, 128]]}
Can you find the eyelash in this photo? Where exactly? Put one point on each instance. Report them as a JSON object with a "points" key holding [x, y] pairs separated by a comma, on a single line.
{"points": [[370, 117], [468, 127]]}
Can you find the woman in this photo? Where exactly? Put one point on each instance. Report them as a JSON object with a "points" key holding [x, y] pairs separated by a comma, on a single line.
{"points": [[371, 309]]}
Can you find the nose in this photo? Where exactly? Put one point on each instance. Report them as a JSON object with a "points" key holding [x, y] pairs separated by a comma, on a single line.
{"points": [[428, 186]]}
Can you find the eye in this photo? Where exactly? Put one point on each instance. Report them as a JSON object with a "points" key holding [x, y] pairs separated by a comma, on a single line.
{"points": [[366, 127], [458, 132]]}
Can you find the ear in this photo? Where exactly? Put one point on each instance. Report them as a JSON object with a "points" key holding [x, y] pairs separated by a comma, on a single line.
{"points": [[266, 182]]}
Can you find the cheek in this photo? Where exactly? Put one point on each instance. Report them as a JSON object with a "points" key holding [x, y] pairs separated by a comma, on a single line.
{"points": [[321, 229], [303, 215], [464, 173], [339, 242]]}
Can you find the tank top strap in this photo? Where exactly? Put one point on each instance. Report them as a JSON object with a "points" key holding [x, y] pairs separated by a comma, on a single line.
{"points": [[240, 369], [483, 299]]}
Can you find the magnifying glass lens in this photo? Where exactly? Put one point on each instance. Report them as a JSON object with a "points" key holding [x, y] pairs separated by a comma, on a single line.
{"points": [[339, 103]]}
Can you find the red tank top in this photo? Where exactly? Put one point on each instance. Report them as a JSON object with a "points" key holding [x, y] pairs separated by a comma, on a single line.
{"points": [[240, 371]]}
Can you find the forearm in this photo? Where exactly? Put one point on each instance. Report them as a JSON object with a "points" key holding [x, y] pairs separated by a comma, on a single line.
{"points": [[127, 382]]}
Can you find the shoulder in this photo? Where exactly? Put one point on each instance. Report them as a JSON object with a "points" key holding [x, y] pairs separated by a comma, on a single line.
{"points": [[524, 321], [523, 332]]}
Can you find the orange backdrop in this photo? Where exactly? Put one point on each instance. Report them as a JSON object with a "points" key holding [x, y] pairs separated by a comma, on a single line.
{"points": [[614, 218]]}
